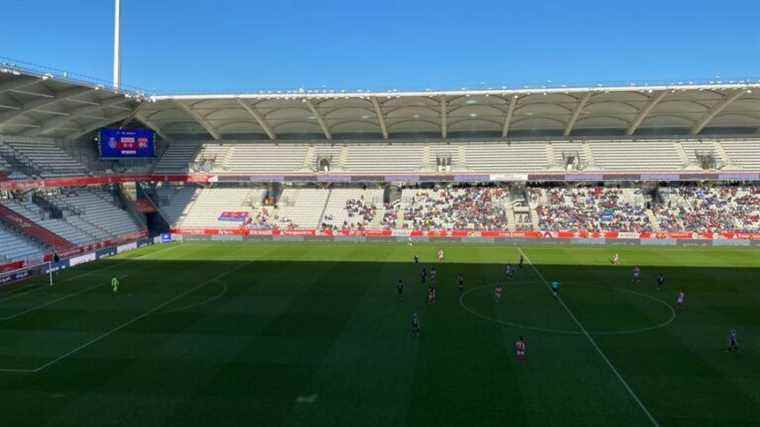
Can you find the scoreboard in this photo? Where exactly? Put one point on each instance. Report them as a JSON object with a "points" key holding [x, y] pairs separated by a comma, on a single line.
{"points": [[127, 143]]}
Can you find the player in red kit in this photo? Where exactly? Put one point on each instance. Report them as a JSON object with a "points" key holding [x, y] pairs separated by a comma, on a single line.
{"points": [[521, 347]]}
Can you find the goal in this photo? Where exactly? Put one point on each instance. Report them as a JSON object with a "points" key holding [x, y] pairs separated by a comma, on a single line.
{"points": [[21, 274]]}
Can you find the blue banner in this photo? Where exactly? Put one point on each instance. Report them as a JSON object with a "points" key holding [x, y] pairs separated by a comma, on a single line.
{"points": [[127, 143]]}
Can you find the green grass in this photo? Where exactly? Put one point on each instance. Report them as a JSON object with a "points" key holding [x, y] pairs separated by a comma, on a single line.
{"points": [[205, 334]]}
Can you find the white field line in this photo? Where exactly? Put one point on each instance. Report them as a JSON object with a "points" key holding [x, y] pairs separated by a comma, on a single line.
{"points": [[67, 296], [126, 324], [593, 343], [17, 294]]}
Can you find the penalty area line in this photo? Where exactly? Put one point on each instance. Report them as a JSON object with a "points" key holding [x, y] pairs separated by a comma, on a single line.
{"points": [[126, 324], [78, 276], [57, 300], [593, 342]]}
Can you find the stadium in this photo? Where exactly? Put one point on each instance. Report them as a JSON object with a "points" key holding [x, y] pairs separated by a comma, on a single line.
{"points": [[333, 257]]}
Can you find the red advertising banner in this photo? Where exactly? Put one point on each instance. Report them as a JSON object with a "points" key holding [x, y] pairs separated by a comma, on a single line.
{"points": [[259, 232], [16, 265], [99, 245], [437, 234], [99, 180], [299, 233]]}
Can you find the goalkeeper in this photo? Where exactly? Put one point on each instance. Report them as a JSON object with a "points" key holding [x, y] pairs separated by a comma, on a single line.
{"points": [[115, 285]]}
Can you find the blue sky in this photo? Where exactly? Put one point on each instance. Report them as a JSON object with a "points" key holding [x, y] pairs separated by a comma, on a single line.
{"points": [[248, 45]]}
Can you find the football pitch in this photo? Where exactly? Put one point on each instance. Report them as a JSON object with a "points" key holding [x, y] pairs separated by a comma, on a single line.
{"points": [[312, 334]]}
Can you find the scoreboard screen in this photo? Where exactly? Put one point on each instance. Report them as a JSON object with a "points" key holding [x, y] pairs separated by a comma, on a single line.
{"points": [[127, 143]]}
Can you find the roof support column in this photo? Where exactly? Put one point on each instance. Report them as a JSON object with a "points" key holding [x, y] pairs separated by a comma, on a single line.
{"points": [[645, 112], [39, 103], [576, 114], [508, 118], [715, 111], [258, 117], [319, 118], [201, 121], [18, 83], [444, 120], [380, 117]]}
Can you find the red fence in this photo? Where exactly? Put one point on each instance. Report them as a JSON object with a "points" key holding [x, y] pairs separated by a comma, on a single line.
{"points": [[33, 230], [536, 235], [99, 245], [11, 266], [98, 180]]}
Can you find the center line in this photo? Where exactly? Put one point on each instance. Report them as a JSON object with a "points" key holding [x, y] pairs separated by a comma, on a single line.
{"points": [[593, 343]]}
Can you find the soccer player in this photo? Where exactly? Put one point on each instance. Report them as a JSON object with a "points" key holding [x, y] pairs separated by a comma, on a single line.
{"points": [[681, 299], [115, 285], [521, 346], [636, 275], [520, 265], [509, 271], [555, 288], [660, 281], [431, 295], [440, 255], [615, 259], [460, 283], [423, 275], [733, 345], [498, 291], [400, 288], [433, 275], [416, 259], [415, 325]]}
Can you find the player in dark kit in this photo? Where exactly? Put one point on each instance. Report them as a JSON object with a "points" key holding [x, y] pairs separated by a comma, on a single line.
{"points": [[520, 265], [431, 296], [400, 288], [433, 275], [460, 283], [660, 281], [509, 271], [416, 259], [423, 276], [733, 344], [415, 325]]}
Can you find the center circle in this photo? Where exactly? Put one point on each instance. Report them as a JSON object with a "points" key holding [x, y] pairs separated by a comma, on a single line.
{"points": [[574, 331]]}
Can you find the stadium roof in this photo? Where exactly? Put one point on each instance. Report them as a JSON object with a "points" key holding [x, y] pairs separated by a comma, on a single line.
{"points": [[726, 108], [38, 103], [34, 103]]}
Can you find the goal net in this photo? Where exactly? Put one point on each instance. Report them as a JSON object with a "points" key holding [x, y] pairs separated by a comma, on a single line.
{"points": [[43, 271]]}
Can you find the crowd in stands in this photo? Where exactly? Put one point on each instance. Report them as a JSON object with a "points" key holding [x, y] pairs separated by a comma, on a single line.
{"points": [[390, 217], [706, 208], [673, 208], [358, 215], [468, 208], [589, 209], [261, 220]]}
